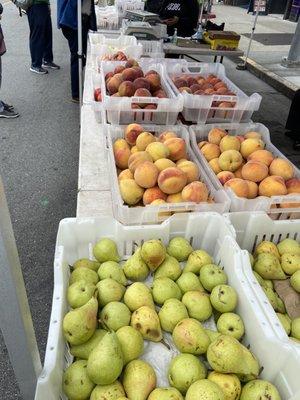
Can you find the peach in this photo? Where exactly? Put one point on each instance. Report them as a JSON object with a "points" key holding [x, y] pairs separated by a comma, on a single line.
{"points": [[113, 84], [214, 165], [172, 180], [152, 194], [120, 144], [166, 135], [131, 62], [175, 198], [185, 89], [161, 94], [272, 186], [134, 149], [222, 90], [194, 88], [229, 143], [143, 140], [146, 174], [130, 191], [239, 186], [210, 151], [293, 185], [249, 146], [264, 156], [225, 176], [238, 172], [180, 82], [199, 92], [220, 84], [119, 69], [141, 83], [138, 158], [126, 89], [121, 157], [159, 202], [182, 160], [108, 76], [138, 72], [125, 174], [281, 167], [164, 163], [253, 189], [132, 131], [129, 74], [142, 93], [154, 80], [190, 169], [253, 135], [191, 81], [201, 144], [177, 148], [195, 192], [230, 160], [157, 150], [255, 171], [215, 135]]}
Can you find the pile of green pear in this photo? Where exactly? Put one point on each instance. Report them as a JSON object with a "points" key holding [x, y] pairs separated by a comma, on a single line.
{"points": [[271, 262], [113, 311]]}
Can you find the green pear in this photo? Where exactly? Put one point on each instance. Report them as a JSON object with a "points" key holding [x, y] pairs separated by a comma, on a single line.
{"points": [[165, 394], [79, 293], [84, 274], [105, 362], [268, 283], [179, 248], [268, 267], [290, 263], [153, 253], [271, 297], [76, 383], [106, 250], [267, 247], [111, 269], [295, 328], [295, 281], [184, 370], [288, 246], [86, 263], [189, 281], [212, 334], [196, 260], [146, 321], [172, 312], [229, 383], [260, 280], [108, 392], [115, 315], [259, 389], [280, 307], [190, 337], [122, 398], [170, 268], [109, 290], [285, 322], [139, 380], [83, 350], [211, 275], [204, 389], [135, 268], [231, 324], [227, 355], [198, 305], [223, 298], [138, 295], [164, 289], [80, 324], [131, 342]]}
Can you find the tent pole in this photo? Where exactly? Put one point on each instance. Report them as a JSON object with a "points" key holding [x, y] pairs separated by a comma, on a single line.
{"points": [[80, 55]]}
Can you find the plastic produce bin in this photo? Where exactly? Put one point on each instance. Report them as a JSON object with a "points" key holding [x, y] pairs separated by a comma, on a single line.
{"points": [[152, 213], [152, 48], [261, 203], [92, 82], [251, 229], [199, 108], [209, 231], [118, 110], [107, 18], [129, 5]]}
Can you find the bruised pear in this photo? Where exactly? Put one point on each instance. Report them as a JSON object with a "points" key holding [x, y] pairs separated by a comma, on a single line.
{"points": [[146, 321], [204, 389], [290, 246], [153, 253], [190, 337], [259, 389], [268, 267], [229, 383], [165, 394], [139, 380], [76, 383], [267, 247], [197, 259], [113, 391]]}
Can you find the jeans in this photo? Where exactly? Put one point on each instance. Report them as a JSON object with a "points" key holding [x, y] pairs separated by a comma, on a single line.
{"points": [[72, 37], [1, 104], [40, 40]]}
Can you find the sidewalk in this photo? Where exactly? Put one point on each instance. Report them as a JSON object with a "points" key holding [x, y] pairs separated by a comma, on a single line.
{"points": [[271, 42]]}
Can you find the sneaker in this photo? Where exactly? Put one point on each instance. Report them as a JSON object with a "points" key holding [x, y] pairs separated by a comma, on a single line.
{"points": [[75, 100], [8, 107], [38, 70], [50, 64], [9, 114]]}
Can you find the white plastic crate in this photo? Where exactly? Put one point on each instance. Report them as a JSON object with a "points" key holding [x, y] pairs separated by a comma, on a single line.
{"points": [[152, 48], [200, 132], [151, 214], [107, 18], [92, 81], [118, 110], [251, 229], [208, 231], [199, 108], [129, 5]]}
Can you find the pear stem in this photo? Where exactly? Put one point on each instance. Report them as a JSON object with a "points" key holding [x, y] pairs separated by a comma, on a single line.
{"points": [[165, 344]]}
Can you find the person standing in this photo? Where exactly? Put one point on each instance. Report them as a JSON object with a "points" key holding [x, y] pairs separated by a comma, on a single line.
{"points": [[293, 121], [40, 40], [6, 111], [67, 22]]}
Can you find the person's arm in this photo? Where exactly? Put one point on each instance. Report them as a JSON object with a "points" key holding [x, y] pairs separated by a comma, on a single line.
{"points": [[191, 14]]}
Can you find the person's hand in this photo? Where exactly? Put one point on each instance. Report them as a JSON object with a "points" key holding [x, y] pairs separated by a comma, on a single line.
{"points": [[171, 21]]}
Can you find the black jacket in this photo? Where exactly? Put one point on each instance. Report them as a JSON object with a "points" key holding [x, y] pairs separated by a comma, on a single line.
{"points": [[153, 6], [188, 13]]}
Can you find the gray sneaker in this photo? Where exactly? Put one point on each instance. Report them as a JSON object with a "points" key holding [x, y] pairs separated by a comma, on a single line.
{"points": [[38, 70], [50, 64], [9, 114]]}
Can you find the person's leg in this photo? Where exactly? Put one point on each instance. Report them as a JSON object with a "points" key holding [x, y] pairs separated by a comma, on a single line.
{"points": [[48, 52], [6, 111], [1, 103], [293, 121], [71, 36], [36, 19]]}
